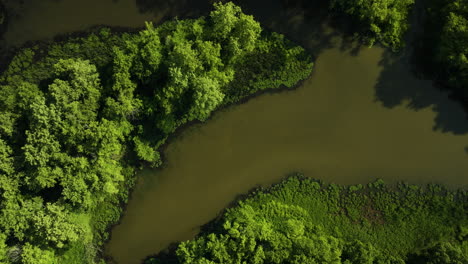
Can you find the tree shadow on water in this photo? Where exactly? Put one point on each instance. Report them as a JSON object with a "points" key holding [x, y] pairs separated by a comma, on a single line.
{"points": [[350, 45], [309, 23], [166, 9], [397, 86], [306, 22]]}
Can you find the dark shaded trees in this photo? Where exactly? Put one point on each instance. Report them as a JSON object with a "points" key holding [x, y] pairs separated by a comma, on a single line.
{"points": [[452, 45], [385, 21]]}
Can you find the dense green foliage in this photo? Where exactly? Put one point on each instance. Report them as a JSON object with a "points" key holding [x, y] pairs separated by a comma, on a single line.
{"points": [[77, 119], [385, 21], [446, 34], [305, 221]]}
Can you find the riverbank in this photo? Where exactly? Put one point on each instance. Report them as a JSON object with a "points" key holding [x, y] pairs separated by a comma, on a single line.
{"points": [[331, 127], [306, 219]]}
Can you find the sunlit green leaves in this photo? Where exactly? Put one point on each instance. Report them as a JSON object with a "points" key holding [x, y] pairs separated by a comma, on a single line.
{"points": [[207, 97], [385, 21], [250, 236], [56, 226], [3, 249], [146, 152], [240, 31], [35, 255]]}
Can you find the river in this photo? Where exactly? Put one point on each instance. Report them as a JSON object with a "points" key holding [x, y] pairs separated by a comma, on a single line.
{"points": [[360, 116], [330, 128]]}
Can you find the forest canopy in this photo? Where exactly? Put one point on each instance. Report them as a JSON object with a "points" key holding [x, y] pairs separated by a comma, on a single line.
{"points": [[447, 31], [77, 118]]}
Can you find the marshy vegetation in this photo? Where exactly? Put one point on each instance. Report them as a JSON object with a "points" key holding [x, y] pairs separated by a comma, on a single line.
{"points": [[301, 220]]}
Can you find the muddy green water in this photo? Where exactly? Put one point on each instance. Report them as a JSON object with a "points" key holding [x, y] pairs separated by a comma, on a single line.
{"points": [[360, 116]]}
